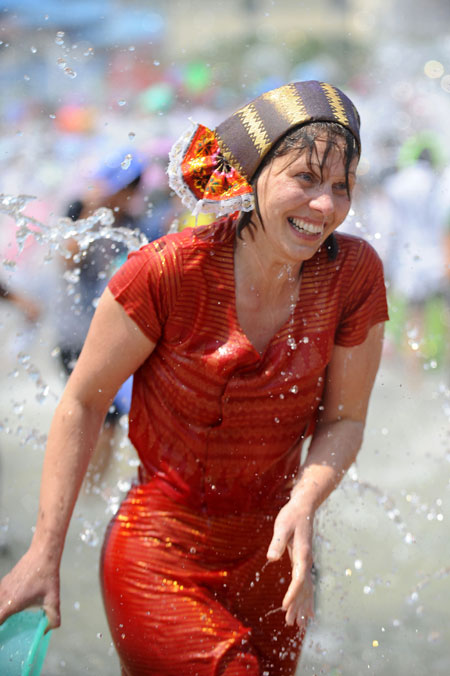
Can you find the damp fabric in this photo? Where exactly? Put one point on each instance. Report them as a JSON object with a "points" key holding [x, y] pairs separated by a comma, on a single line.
{"points": [[218, 428]]}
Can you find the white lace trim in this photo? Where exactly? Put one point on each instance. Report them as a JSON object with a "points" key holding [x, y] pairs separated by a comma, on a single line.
{"points": [[176, 182]]}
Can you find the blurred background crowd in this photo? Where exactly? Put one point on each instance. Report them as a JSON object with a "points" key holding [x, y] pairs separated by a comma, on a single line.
{"points": [[90, 83], [94, 93]]}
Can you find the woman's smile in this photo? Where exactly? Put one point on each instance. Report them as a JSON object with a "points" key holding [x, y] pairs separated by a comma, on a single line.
{"points": [[302, 200], [305, 228]]}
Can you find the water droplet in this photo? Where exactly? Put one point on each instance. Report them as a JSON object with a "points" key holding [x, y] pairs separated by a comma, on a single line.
{"points": [[291, 343], [18, 407], [89, 52], [277, 420], [294, 389], [99, 635], [76, 605], [375, 644], [131, 135], [156, 63], [59, 40], [413, 598], [358, 564], [70, 72], [124, 485], [126, 161], [61, 63], [193, 550], [33, 50], [27, 78], [122, 102], [89, 535]]}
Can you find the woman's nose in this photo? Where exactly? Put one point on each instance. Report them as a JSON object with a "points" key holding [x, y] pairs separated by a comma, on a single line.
{"points": [[323, 201]]}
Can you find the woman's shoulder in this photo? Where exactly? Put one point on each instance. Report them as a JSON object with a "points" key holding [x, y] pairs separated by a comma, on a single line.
{"points": [[356, 252], [353, 244], [192, 241]]}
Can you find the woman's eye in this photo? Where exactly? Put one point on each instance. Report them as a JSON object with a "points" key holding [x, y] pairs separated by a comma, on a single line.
{"points": [[305, 176], [340, 187]]}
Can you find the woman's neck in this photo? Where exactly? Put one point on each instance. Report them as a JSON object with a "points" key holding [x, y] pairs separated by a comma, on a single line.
{"points": [[259, 271]]}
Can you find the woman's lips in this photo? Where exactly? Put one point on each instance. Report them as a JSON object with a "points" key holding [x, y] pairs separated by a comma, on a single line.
{"points": [[305, 228]]}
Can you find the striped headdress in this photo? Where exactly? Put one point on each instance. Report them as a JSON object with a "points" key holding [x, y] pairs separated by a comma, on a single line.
{"points": [[211, 170]]}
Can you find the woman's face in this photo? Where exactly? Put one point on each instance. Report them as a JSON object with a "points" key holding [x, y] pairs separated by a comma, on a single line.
{"points": [[301, 204]]}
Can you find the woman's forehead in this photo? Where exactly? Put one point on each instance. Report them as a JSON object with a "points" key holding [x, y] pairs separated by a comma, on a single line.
{"points": [[323, 153]]}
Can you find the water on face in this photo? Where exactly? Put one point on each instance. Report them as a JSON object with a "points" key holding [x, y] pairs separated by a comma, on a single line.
{"points": [[381, 550]]}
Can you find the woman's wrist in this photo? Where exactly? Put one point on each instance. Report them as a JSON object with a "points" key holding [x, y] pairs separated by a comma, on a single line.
{"points": [[48, 547]]}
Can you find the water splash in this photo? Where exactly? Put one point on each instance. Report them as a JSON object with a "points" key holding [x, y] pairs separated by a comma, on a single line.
{"points": [[385, 501], [440, 574], [85, 231]]}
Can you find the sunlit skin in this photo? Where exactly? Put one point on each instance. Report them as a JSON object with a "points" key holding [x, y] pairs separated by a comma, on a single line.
{"points": [[290, 187], [268, 259]]}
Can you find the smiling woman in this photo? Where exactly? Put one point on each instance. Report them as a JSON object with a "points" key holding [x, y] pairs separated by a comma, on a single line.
{"points": [[245, 337]]}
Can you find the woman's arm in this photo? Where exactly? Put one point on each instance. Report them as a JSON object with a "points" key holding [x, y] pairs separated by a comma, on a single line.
{"points": [[335, 444], [115, 347]]}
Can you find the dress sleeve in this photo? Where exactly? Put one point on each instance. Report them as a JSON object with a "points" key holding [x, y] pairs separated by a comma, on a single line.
{"points": [[146, 285], [365, 304]]}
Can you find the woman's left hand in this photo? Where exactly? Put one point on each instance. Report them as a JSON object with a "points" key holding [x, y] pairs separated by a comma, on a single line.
{"points": [[293, 530]]}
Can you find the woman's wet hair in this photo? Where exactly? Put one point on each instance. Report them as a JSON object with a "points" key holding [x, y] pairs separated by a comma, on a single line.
{"points": [[303, 139]]}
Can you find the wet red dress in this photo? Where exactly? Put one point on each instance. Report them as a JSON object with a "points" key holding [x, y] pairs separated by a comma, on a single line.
{"points": [[218, 429]]}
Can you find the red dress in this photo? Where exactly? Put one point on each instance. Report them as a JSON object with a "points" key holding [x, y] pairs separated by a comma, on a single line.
{"points": [[218, 429]]}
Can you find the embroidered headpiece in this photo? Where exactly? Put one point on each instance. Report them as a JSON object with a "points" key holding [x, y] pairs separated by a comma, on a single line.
{"points": [[211, 170]]}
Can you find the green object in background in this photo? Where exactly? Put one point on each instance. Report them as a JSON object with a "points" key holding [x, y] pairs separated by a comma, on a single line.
{"points": [[412, 148], [197, 77], [396, 325], [435, 329], [158, 97], [432, 326], [23, 643]]}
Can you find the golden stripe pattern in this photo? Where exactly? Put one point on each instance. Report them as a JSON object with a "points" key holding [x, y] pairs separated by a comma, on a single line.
{"points": [[335, 102], [254, 127], [230, 158], [288, 103]]}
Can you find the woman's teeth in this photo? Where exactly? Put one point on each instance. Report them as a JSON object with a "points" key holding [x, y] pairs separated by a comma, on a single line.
{"points": [[301, 226]]}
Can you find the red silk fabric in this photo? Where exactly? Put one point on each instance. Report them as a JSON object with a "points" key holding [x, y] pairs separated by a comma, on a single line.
{"points": [[217, 422], [218, 429], [191, 594]]}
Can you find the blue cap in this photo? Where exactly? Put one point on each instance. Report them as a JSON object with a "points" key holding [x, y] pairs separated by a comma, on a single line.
{"points": [[119, 169]]}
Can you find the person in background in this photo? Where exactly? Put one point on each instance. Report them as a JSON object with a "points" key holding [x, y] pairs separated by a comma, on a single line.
{"points": [[416, 257], [245, 337], [115, 186]]}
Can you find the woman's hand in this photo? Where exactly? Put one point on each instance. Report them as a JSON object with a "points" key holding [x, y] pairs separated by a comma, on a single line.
{"points": [[34, 581], [293, 529]]}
